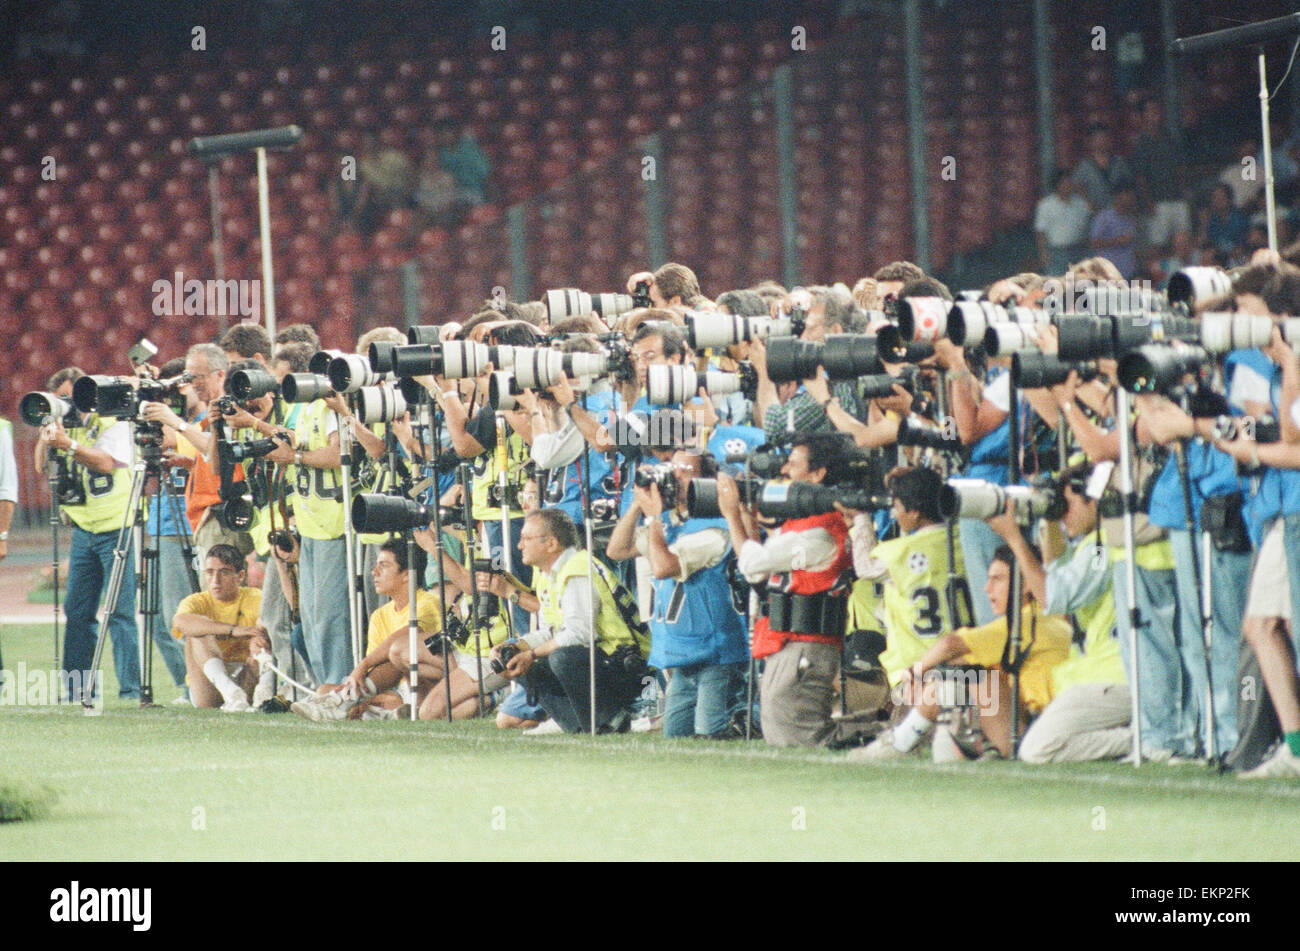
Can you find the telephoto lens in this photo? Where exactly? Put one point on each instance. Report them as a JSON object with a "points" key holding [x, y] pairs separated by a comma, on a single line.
{"points": [[709, 329], [1223, 332], [373, 513], [351, 372], [578, 364], [538, 368], [502, 390], [304, 387], [1159, 368], [320, 361], [786, 500], [38, 409], [673, 383], [1194, 286], [251, 383], [969, 320], [236, 452], [566, 302], [106, 395], [462, 358], [611, 305], [1033, 371], [927, 435], [923, 318], [789, 358], [424, 333], [379, 404], [978, 499], [1003, 340], [381, 355]]}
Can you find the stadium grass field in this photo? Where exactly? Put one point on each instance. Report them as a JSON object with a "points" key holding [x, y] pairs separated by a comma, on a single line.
{"points": [[183, 784]]}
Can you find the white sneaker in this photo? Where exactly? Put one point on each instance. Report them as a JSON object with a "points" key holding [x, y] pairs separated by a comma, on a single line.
{"points": [[880, 749], [309, 708], [236, 704], [182, 701], [1281, 765], [647, 725], [545, 728]]}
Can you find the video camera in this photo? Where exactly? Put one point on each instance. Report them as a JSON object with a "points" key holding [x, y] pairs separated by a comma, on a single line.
{"points": [[120, 397]]}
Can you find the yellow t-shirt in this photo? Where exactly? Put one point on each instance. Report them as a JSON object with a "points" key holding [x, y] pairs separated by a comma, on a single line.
{"points": [[242, 612], [1047, 638], [386, 619]]}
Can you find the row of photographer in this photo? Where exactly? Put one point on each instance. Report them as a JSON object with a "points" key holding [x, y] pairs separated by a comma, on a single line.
{"points": [[989, 389]]}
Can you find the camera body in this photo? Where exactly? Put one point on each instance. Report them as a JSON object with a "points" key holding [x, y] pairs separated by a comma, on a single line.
{"points": [[662, 475], [504, 655]]}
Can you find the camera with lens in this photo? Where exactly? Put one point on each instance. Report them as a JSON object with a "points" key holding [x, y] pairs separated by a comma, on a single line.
{"points": [[1264, 429], [452, 359], [284, 539], [251, 383], [226, 405], [879, 386], [350, 372], [978, 499], [676, 383], [662, 475], [1032, 370], [305, 387], [1160, 368], [40, 409], [571, 302], [379, 404], [377, 514], [641, 294], [843, 356], [68, 487], [504, 655], [914, 432], [120, 397], [509, 497], [232, 453]]}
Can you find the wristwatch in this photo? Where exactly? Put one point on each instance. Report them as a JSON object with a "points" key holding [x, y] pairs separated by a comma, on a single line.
{"points": [[297, 457], [73, 447], [4, 536]]}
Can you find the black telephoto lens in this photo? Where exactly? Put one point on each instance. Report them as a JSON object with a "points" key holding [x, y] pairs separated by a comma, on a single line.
{"points": [[376, 514], [251, 384]]}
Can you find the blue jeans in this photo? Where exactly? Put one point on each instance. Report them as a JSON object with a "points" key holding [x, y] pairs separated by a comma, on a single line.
{"points": [[978, 543], [1229, 580], [1160, 677], [174, 586], [518, 616], [323, 590], [561, 681], [90, 564], [701, 699]]}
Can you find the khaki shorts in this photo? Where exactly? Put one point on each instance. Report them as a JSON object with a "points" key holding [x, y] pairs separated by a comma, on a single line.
{"points": [[1270, 583]]}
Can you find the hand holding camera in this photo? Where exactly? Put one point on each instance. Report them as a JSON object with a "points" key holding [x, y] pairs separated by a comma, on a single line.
{"points": [[161, 413]]}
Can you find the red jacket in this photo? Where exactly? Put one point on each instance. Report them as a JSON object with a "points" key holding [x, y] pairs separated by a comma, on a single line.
{"points": [[832, 578]]}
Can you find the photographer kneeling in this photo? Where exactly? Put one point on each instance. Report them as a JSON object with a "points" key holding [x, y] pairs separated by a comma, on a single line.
{"points": [[554, 662], [697, 634]]}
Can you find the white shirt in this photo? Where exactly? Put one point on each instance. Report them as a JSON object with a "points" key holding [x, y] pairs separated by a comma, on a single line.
{"points": [[575, 605], [8, 466], [1064, 223], [116, 441], [810, 550]]}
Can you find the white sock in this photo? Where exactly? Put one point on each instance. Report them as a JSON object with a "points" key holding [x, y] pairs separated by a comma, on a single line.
{"points": [[265, 688], [908, 733], [215, 668]]}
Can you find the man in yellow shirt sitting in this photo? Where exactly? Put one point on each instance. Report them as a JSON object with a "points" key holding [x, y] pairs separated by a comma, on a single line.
{"points": [[371, 686], [1045, 639], [223, 641]]}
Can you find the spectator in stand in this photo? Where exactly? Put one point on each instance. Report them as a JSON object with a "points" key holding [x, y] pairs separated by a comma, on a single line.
{"points": [[1061, 221], [438, 198], [461, 156], [1114, 230], [1160, 167], [1100, 170], [1244, 176]]}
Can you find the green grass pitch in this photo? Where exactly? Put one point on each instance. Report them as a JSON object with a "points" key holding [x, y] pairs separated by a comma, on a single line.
{"points": [[181, 784]]}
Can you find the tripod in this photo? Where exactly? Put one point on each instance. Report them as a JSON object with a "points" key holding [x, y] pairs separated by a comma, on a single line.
{"points": [[52, 471], [148, 465]]}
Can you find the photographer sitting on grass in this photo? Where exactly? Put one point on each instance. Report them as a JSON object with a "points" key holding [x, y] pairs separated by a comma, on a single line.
{"points": [[370, 688], [1045, 641], [224, 645]]}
